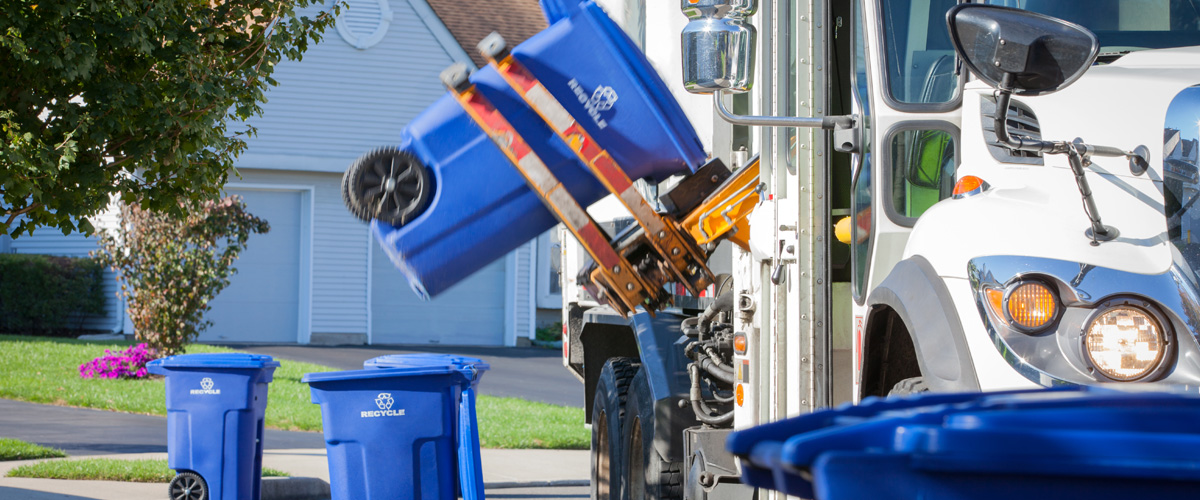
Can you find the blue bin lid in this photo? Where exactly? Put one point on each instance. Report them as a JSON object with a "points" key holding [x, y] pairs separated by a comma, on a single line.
{"points": [[470, 372], [215, 360], [425, 360]]}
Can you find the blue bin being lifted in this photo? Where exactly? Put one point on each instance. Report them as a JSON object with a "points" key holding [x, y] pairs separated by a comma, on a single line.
{"points": [[481, 207], [1093, 443], [215, 409], [402, 429]]}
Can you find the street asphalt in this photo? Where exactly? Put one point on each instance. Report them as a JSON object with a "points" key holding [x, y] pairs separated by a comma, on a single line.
{"points": [[530, 373]]}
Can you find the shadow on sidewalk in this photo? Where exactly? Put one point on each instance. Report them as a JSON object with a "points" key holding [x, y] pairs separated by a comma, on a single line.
{"points": [[24, 494]]}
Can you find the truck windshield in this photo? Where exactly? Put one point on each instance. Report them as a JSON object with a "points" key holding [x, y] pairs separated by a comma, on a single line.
{"points": [[1125, 25]]}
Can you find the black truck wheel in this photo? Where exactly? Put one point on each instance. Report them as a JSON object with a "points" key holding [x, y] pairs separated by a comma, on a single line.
{"points": [[649, 476], [387, 184], [608, 409], [187, 486]]}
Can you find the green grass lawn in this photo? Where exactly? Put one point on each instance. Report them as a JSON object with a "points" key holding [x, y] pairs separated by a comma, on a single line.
{"points": [[108, 469], [46, 370], [13, 449]]}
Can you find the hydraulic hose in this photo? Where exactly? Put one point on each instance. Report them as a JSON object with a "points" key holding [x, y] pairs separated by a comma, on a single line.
{"points": [[719, 372], [699, 407]]}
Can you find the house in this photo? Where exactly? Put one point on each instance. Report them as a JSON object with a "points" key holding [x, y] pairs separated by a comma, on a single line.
{"points": [[318, 277]]}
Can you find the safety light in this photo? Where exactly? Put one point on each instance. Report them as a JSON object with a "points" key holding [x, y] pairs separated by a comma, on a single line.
{"points": [[995, 301], [968, 186], [739, 343], [740, 393], [1124, 343], [1031, 306]]}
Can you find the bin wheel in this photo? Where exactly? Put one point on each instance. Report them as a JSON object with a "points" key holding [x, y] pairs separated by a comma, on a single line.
{"points": [[649, 477], [187, 486], [387, 184], [608, 408]]}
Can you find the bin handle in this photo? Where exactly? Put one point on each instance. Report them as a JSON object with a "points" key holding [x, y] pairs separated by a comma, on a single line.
{"points": [[470, 469]]}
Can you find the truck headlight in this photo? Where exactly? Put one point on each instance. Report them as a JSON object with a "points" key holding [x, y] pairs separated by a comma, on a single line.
{"points": [[1124, 342]]}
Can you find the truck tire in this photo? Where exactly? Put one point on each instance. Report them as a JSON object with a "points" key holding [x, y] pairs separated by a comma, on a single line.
{"points": [[909, 386], [649, 477], [608, 410]]}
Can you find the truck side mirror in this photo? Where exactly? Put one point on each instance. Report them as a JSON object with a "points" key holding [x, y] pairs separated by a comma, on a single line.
{"points": [[718, 46], [1020, 51]]}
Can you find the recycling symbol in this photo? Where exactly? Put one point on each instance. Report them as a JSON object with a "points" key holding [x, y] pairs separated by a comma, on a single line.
{"points": [[206, 384], [384, 400]]}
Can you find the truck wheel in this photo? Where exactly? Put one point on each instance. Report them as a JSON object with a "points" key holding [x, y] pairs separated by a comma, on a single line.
{"points": [[608, 410], [649, 476], [909, 386]]}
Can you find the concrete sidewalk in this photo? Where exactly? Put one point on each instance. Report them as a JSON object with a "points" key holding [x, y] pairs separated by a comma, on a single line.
{"points": [[561, 473]]}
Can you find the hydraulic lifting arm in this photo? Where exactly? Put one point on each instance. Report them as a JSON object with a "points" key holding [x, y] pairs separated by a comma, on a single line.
{"points": [[637, 270]]}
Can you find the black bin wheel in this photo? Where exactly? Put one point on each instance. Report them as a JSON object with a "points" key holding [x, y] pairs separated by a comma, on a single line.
{"points": [[187, 486], [387, 184]]}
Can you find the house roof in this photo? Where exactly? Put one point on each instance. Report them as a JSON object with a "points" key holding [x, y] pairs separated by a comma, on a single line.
{"points": [[471, 20]]}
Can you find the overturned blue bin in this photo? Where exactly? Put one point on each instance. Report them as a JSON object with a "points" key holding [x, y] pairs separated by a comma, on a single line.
{"points": [[480, 207], [1094, 443], [405, 431], [215, 409]]}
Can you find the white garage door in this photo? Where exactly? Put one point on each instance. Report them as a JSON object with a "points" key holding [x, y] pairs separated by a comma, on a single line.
{"points": [[261, 302], [470, 313]]}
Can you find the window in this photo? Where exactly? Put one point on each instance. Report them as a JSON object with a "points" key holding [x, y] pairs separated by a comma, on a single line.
{"points": [[549, 270], [922, 163], [860, 211], [920, 59]]}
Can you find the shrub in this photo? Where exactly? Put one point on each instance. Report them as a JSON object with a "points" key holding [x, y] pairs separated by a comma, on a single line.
{"points": [[44, 295], [170, 268], [130, 363]]}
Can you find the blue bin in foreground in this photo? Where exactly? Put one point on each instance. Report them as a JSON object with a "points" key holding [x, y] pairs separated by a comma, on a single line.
{"points": [[215, 409], [1093, 443], [481, 207], [402, 432]]}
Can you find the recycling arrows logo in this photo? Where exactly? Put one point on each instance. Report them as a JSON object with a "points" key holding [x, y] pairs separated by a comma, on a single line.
{"points": [[206, 384], [384, 401]]}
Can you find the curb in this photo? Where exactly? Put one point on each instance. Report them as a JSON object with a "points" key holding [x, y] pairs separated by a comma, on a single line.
{"points": [[535, 484], [294, 488]]}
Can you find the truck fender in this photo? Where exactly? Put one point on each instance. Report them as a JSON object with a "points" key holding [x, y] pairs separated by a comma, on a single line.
{"points": [[920, 298]]}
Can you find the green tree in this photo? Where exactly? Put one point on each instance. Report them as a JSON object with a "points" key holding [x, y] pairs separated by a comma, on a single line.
{"points": [[171, 266], [143, 99]]}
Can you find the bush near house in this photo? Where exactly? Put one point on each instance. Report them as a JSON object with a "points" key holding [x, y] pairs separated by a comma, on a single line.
{"points": [[171, 266], [45, 295]]}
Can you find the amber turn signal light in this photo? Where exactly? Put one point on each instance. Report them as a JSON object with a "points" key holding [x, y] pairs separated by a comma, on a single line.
{"points": [[1031, 305]]}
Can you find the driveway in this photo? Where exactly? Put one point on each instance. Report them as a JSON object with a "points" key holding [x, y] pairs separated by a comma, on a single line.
{"points": [[528, 373]]}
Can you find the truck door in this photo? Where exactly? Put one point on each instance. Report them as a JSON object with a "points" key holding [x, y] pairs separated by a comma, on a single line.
{"points": [[907, 89]]}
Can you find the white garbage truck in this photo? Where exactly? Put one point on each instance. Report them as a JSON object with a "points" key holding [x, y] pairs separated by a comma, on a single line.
{"points": [[925, 195]]}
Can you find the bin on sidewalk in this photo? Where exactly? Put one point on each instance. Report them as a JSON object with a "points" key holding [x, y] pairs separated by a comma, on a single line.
{"points": [[481, 207], [215, 409], [1091, 443], [403, 429]]}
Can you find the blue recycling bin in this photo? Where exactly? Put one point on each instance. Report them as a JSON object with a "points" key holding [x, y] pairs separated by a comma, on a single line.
{"points": [[402, 432], [215, 409], [481, 207], [1095, 443]]}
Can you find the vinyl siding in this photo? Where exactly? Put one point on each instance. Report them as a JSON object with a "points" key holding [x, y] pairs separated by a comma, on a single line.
{"points": [[340, 101]]}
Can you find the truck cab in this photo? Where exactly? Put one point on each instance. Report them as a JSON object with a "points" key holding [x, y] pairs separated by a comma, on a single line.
{"points": [[902, 242]]}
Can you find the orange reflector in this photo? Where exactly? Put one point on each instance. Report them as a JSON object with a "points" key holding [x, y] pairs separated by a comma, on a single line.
{"points": [[967, 185], [740, 393], [739, 343], [1031, 305], [995, 300]]}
